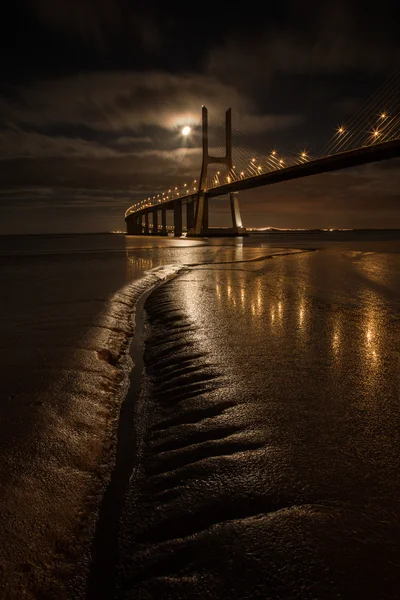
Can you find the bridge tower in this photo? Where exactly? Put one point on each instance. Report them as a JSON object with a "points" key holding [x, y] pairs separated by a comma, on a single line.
{"points": [[200, 227]]}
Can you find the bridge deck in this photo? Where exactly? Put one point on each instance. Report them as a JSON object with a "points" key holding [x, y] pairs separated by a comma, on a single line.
{"points": [[334, 162]]}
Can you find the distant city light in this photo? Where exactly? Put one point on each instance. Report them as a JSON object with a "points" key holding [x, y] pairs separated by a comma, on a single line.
{"points": [[186, 130]]}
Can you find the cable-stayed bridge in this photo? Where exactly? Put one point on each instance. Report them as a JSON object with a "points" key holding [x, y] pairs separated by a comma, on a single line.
{"points": [[230, 165]]}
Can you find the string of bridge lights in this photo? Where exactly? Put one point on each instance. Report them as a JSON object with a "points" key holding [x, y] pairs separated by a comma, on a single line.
{"points": [[345, 138], [254, 168]]}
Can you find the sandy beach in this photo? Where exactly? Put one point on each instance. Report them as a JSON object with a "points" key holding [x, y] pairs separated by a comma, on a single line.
{"points": [[256, 453]]}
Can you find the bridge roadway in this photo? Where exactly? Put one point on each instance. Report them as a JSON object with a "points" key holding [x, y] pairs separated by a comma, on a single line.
{"points": [[334, 162]]}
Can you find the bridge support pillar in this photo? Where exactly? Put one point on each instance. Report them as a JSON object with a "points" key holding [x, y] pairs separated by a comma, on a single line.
{"points": [[178, 218], [236, 215], [163, 222], [198, 221], [134, 226], [155, 222], [138, 226], [146, 224], [189, 216], [205, 217]]}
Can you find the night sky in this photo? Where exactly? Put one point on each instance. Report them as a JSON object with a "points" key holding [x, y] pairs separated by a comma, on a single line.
{"points": [[94, 94]]}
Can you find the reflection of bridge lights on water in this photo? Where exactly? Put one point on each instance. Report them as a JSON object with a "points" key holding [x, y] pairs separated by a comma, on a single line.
{"points": [[139, 263], [301, 316], [336, 341]]}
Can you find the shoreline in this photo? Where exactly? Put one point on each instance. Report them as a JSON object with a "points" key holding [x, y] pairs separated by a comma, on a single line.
{"points": [[102, 572]]}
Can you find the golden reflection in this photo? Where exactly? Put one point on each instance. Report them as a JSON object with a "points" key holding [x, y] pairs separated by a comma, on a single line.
{"points": [[249, 298], [142, 264], [301, 316], [371, 344], [239, 251], [336, 340]]}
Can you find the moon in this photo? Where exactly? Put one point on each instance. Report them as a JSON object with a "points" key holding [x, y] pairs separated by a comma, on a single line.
{"points": [[186, 130]]}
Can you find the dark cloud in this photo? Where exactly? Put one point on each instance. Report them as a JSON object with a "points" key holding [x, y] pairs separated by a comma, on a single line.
{"points": [[315, 38], [126, 101], [100, 23]]}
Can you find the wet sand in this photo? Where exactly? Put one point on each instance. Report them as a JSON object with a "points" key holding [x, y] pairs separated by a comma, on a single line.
{"points": [[268, 426], [258, 444]]}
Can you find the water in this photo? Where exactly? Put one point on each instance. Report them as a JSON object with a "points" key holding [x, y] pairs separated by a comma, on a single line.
{"points": [[301, 359]]}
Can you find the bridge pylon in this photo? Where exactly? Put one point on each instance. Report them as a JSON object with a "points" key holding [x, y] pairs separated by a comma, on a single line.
{"points": [[200, 227]]}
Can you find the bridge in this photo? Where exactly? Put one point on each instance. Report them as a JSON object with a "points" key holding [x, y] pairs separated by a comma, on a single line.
{"points": [[372, 135]]}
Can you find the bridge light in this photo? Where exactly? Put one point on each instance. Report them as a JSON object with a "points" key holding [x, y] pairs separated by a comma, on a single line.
{"points": [[228, 179], [273, 152], [341, 129], [217, 172], [304, 154], [383, 115], [184, 185], [242, 173], [376, 133], [281, 162], [253, 160], [195, 181]]}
